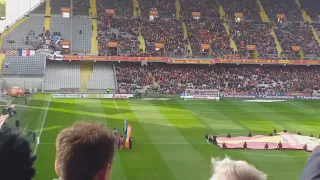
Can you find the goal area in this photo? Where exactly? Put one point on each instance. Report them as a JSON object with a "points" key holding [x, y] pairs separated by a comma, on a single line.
{"points": [[209, 94]]}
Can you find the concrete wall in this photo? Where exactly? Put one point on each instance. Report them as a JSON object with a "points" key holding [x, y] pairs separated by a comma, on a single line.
{"points": [[24, 82], [16, 9]]}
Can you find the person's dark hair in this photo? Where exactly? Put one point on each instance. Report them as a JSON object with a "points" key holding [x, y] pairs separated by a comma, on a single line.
{"points": [[82, 150], [16, 161]]}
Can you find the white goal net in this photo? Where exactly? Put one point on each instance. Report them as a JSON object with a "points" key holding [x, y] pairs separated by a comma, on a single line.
{"points": [[210, 94]]}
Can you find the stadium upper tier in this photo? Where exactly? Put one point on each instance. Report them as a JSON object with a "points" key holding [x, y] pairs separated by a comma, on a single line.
{"points": [[178, 32]]}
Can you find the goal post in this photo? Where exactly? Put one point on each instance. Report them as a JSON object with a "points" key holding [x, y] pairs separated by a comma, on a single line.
{"points": [[209, 94]]}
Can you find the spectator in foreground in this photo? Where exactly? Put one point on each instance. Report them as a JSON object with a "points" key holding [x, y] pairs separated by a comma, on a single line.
{"points": [[15, 155], [84, 151], [228, 169], [311, 169]]}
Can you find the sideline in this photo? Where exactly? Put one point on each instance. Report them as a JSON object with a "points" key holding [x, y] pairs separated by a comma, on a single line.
{"points": [[25, 128], [43, 122]]}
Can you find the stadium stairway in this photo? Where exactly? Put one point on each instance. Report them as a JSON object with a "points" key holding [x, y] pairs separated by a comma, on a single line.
{"points": [[307, 18], [232, 42], [256, 54], [11, 28], [315, 33], [301, 55], [226, 26], [263, 14], [86, 68], [178, 9], [94, 40], [221, 12], [47, 17], [276, 41], [155, 83], [2, 57], [185, 35], [142, 42], [136, 8]]}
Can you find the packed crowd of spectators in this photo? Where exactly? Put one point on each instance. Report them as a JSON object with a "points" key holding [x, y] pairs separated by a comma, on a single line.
{"points": [[133, 73], [297, 34], [312, 8], [116, 29], [249, 8], [166, 8], [207, 8], [253, 33], [252, 79], [209, 31], [287, 7], [81, 7], [122, 7], [167, 31]]}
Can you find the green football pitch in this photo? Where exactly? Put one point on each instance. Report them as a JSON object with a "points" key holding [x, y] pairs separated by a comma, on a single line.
{"points": [[169, 135]]}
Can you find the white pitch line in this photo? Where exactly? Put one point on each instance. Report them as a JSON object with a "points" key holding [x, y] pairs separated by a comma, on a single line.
{"points": [[244, 103], [43, 122], [115, 104], [164, 102], [25, 128], [301, 107]]}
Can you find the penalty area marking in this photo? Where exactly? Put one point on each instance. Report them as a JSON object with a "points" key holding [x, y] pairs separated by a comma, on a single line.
{"points": [[301, 107]]}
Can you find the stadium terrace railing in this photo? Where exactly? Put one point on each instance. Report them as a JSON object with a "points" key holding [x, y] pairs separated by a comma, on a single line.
{"points": [[189, 60], [25, 14]]}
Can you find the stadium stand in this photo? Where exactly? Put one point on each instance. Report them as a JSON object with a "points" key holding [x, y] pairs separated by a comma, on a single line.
{"points": [[103, 77], [167, 31], [249, 8], [258, 34], [166, 8], [207, 8], [77, 29], [121, 30], [252, 79], [124, 8], [61, 75], [40, 9], [132, 74], [287, 7], [81, 7], [312, 8], [24, 66], [30, 28], [57, 4], [209, 32], [297, 34]]}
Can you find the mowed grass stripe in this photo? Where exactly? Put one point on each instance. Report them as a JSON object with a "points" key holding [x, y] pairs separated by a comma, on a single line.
{"points": [[193, 131], [265, 161], [106, 108], [236, 154], [46, 153], [144, 160], [213, 118], [178, 157], [296, 119]]}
